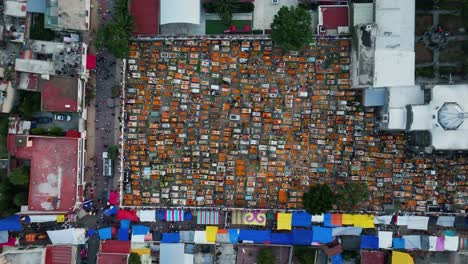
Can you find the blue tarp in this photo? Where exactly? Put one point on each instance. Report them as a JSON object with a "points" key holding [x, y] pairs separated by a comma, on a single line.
{"points": [[87, 205], [11, 223], [170, 237], [105, 233], [233, 235], [36, 6], [257, 236], [337, 259], [327, 220], [398, 243], [301, 219], [111, 211], [161, 215], [123, 234], [369, 242], [125, 224], [302, 237], [282, 238], [91, 232], [140, 230], [322, 234], [188, 216]]}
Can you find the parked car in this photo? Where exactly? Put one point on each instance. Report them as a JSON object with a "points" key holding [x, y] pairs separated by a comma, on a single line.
{"points": [[62, 117], [44, 119]]}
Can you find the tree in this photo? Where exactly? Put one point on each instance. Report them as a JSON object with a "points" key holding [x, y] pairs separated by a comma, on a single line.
{"points": [[134, 258], [224, 9], [352, 195], [291, 28], [113, 152], [56, 131], [319, 199], [265, 256], [20, 176], [38, 131], [21, 198]]}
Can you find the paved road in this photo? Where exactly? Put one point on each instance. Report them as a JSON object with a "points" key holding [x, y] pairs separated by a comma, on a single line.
{"points": [[105, 119]]}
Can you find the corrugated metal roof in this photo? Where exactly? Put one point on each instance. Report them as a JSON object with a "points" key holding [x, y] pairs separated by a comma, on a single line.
{"points": [[110, 258], [59, 255]]}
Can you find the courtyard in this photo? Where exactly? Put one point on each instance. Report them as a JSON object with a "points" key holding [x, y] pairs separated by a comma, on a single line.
{"points": [[242, 123]]}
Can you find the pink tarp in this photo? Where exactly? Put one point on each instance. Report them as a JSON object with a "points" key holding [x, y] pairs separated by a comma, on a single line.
{"points": [[114, 198], [11, 242], [127, 214]]}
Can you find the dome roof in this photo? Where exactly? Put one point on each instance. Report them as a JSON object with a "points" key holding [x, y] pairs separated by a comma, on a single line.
{"points": [[451, 116]]}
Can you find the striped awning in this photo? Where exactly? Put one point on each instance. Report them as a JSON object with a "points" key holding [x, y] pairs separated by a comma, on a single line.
{"points": [[207, 217], [174, 215], [237, 218]]}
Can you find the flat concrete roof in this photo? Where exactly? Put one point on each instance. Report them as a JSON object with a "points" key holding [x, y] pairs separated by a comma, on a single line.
{"points": [[53, 172], [35, 66], [180, 11], [59, 94], [72, 14], [15, 8]]}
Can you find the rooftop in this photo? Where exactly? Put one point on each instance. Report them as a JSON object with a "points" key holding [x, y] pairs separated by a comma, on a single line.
{"points": [[60, 254], [15, 8], [53, 172], [59, 94], [53, 58], [334, 18], [145, 16], [36, 6], [180, 11], [430, 117], [111, 258], [67, 15]]}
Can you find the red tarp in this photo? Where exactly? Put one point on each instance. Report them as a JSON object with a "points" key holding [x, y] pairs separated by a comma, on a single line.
{"points": [[372, 257], [90, 61], [127, 214], [114, 198], [73, 134]]}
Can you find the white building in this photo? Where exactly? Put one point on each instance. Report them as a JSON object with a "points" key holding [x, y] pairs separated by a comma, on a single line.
{"points": [[384, 55]]}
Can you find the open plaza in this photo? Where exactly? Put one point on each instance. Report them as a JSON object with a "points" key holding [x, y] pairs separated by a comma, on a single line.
{"points": [[241, 123]]}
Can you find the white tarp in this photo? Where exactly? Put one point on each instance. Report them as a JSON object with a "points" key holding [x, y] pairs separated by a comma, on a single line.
{"points": [[317, 218], [189, 258], [447, 221], [42, 218], [138, 238], [385, 239], [147, 215], [451, 243], [383, 219], [172, 253], [402, 220], [3, 236], [347, 231], [432, 243], [200, 237], [418, 222], [71, 236], [180, 11]]}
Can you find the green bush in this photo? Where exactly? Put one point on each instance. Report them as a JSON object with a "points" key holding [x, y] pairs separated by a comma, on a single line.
{"points": [[38, 131], [21, 198], [427, 72], [134, 258], [352, 195], [20, 176], [319, 199], [56, 131], [113, 152], [239, 7]]}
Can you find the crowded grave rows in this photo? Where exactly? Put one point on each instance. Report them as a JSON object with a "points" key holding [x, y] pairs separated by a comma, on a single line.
{"points": [[243, 123]]}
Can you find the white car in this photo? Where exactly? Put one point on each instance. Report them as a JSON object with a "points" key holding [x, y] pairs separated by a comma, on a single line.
{"points": [[62, 117]]}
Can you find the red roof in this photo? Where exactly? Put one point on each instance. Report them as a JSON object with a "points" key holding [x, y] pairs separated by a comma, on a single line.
{"points": [[335, 16], [53, 171], [73, 134], [111, 258], [90, 61], [115, 246], [145, 16], [59, 94], [59, 255]]}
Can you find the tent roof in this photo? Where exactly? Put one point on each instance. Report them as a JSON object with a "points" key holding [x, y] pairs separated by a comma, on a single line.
{"points": [[180, 11], [171, 253]]}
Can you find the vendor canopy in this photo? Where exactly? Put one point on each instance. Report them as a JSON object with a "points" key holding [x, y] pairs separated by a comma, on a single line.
{"points": [[71, 236], [174, 215], [254, 218], [207, 217]]}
